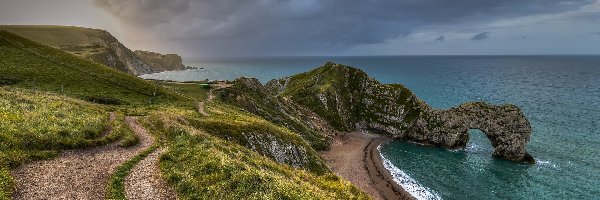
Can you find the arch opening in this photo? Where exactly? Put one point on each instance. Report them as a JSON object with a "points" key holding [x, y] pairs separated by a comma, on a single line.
{"points": [[478, 142]]}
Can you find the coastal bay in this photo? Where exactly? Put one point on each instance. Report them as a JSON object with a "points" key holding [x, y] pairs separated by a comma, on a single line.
{"points": [[355, 157]]}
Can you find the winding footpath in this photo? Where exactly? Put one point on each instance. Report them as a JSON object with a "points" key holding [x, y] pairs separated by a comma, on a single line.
{"points": [[144, 181], [77, 174]]}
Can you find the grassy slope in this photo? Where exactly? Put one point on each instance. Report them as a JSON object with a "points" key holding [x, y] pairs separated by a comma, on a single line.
{"points": [[208, 166], [235, 124], [191, 90], [76, 40], [348, 101], [257, 100], [36, 125], [93, 44], [31, 65]]}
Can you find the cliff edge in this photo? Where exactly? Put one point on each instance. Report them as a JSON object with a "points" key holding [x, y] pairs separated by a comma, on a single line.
{"points": [[344, 99]]}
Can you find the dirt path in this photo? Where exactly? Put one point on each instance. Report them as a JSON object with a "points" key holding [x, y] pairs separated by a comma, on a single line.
{"points": [[76, 174], [201, 108], [144, 181], [210, 97]]}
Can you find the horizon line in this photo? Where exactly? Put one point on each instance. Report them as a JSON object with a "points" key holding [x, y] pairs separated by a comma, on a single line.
{"points": [[390, 55]]}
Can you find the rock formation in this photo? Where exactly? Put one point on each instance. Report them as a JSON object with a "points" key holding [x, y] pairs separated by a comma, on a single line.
{"points": [[505, 126], [345, 99], [161, 62]]}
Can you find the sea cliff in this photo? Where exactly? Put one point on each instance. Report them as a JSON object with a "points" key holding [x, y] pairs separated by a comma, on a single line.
{"points": [[335, 98]]}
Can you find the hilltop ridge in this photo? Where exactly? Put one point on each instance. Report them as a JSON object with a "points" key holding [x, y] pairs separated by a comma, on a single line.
{"points": [[97, 45]]}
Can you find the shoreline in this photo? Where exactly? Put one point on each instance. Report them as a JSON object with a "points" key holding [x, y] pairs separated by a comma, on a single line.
{"points": [[370, 176]]}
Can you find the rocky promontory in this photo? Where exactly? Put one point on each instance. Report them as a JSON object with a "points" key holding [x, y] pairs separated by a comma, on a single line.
{"points": [[335, 98], [161, 62]]}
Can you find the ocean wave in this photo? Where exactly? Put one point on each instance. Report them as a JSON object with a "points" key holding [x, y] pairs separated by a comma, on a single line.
{"points": [[546, 163], [409, 184]]}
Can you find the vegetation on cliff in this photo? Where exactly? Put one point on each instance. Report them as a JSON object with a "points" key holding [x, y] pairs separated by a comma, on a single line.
{"points": [[249, 94], [347, 99], [206, 165], [161, 62], [96, 45]]}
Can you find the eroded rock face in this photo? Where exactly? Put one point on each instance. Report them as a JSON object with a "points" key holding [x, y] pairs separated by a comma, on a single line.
{"points": [[505, 126]]}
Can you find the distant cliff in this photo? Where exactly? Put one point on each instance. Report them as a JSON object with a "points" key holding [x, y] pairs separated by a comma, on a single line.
{"points": [[94, 44], [161, 62], [336, 98]]}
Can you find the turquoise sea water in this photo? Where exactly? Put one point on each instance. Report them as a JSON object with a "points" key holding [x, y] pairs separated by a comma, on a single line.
{"points": [[559, 94]]}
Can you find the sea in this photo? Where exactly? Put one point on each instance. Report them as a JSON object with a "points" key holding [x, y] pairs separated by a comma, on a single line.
{"points": [[559, 94]]}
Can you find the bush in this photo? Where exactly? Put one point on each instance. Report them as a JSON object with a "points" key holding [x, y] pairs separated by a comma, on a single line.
{"points": [[105, 100], [8, 80]]}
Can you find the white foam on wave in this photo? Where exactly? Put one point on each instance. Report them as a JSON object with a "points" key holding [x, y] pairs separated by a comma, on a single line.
{"points": [[409, 184], [546, 163], [472, 147]]}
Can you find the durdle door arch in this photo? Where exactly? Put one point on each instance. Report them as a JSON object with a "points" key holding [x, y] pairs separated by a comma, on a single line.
{"points": [[505, 126]]}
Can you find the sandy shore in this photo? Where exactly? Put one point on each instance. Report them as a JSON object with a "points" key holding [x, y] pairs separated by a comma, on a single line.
{"points": [[354, 156]]}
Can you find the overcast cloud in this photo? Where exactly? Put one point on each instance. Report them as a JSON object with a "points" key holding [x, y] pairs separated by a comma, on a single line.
{"points": [[349, 27]]}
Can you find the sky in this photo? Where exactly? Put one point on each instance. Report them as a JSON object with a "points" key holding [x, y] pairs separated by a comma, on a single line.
{"points": [[226, 28]]}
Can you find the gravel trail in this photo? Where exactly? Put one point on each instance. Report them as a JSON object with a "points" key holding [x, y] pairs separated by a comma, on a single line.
{"points": [[77, 174], [144, 181]]}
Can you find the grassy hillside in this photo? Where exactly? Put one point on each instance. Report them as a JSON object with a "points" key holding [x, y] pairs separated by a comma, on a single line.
{"points": [[161, 62], [346, 96], [229, 154], [27, 64], [250, 95], [206, 165], [260, 135], [35, 125], [90, 44]]}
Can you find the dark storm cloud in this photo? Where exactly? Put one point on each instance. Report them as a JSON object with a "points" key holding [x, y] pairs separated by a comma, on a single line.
{"points": [[295, 26], [440, 39], [480, 36]]}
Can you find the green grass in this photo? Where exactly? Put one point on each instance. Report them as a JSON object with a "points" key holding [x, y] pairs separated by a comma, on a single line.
{"points": [[253, 97], [28, 64], [237, 125], [6, 183], [36, 125], [90, 44], [192, 90], [227, 155], [206, 166], [77, 40], [116, 185]]}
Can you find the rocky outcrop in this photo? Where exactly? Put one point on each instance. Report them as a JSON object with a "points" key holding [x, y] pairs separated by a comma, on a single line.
{"points": [[347, 99], [161, 62], [505, 126]]}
